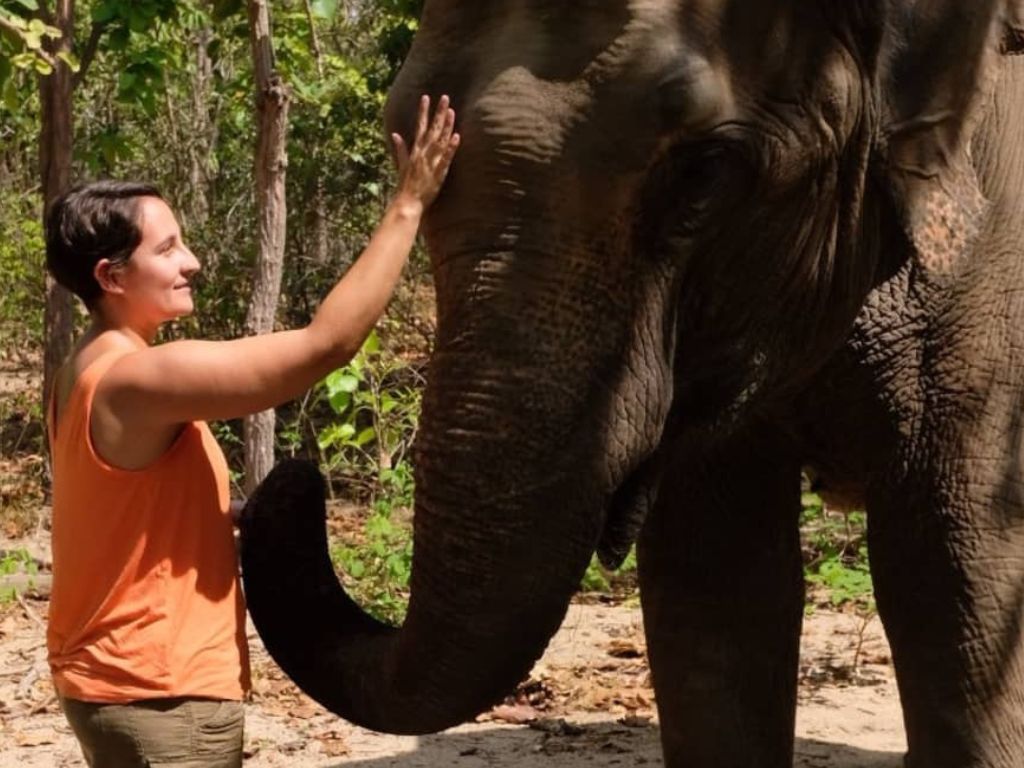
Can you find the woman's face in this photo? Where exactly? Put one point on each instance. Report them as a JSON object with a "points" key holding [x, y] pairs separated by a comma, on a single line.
{"points": [[155, 280]]}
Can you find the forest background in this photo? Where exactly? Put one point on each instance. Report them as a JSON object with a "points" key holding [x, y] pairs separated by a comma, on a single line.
{"points": [[183, 94]]}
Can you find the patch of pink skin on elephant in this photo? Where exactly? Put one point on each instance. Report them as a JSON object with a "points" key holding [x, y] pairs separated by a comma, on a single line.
{"points": [[947, 224]]}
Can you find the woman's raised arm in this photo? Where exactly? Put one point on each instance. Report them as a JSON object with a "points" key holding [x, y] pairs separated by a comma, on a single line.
{"points": [[185, 381]]}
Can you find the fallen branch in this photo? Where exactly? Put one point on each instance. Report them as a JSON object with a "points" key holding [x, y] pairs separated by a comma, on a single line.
{"points": [[29, 612]]}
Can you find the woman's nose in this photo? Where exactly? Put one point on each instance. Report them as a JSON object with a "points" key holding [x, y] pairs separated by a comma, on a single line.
{"points": [[192, 264]]}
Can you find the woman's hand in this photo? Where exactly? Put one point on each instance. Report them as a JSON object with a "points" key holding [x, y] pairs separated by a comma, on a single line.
{"points": [[423, 169]]}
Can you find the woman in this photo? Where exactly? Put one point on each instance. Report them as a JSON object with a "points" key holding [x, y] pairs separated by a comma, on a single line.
{"points": [[146, 636]]}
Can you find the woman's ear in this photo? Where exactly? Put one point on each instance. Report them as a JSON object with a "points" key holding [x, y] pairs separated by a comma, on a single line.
{"points": [[939, 67], [108, 275]]}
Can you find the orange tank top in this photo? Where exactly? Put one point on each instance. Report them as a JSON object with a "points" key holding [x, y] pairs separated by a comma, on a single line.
{"points": [[146, 601]]}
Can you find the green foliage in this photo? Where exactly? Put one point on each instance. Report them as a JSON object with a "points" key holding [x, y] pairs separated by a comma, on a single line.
{"points": [[29, 34], [846, 583], [324, 9], [22, 40], [21, 275], [122, 18], [376, 402], [378, 568], [836, 556], [599, 579], [15, 562]]}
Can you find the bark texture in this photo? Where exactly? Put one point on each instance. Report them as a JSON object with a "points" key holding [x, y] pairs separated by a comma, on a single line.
{"points": [[55, 145], [272, 101]]}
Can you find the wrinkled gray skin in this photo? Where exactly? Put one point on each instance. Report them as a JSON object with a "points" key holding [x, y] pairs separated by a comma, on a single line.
{"points": [[688, 248]]}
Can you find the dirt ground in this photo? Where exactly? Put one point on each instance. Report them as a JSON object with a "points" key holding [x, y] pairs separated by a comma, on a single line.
{"points": [[587, 703]]}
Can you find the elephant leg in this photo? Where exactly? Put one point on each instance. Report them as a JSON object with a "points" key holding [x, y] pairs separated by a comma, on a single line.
{"points": [[722, 591], [947, 556]]}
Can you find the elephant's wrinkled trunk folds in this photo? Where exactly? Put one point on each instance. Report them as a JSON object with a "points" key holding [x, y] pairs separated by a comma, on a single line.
{"points": [[472, 631]]}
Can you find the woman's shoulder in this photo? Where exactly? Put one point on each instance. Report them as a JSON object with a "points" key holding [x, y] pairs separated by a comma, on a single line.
{"points": [[87, 352]]}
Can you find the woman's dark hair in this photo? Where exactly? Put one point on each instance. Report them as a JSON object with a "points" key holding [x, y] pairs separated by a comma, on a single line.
{"points": [[90, 222]]}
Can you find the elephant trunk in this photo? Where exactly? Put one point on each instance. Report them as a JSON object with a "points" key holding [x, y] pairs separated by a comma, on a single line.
{"points": [[484, 602]]}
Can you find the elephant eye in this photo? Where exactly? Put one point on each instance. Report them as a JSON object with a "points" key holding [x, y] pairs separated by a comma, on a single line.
{"points": [[700, 174], [693, 178], [686, 187]]}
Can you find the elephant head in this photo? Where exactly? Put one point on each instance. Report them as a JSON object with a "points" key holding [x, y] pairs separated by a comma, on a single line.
{"points": [[665, 215]]}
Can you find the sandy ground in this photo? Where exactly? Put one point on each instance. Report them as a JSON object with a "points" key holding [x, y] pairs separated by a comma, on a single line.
{"points": [[587, 703]]}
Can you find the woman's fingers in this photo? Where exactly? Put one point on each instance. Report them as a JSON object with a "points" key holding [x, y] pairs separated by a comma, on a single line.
{"points": [[433, 133], [449, 126], [440, 116], [424, 164], [423, 118], [401, 152], [453, 144]]}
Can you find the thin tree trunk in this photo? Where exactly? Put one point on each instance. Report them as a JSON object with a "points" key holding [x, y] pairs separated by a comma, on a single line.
{"points": [[318, 211], [199, 147], [272, 100], [55, 143], [319, 208]]}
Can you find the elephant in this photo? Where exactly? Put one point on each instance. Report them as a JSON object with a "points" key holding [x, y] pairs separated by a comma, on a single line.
{"points": [[690, 250]]}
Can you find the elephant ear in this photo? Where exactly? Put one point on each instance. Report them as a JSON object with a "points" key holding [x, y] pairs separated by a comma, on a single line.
{"points": [[939, 68]]}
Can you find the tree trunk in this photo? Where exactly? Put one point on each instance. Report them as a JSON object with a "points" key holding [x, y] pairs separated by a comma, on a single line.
{"points": [[272, 99], [199, 146], [55, 143], [318, 211], [318, 227]]}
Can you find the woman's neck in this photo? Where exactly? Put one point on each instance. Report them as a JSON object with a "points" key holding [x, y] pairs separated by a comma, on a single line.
{"points": [[107, 318], [101, 323]]}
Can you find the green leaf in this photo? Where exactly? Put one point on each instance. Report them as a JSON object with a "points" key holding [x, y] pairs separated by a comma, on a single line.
{"points": [[325, 9], [18, 23], [335, 434], [23, 60], [11, 100], [342, 382], [119, 37], [810, 500], [70, 59], [105, 12], [372, 344], [30, 5], [339, 401], [366, 436]]}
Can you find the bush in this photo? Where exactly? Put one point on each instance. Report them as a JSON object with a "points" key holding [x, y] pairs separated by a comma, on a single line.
{"points": [[835, 554]]}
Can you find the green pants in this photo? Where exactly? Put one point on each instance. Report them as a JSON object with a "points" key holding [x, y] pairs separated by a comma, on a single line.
{"points": [[159, 733]]}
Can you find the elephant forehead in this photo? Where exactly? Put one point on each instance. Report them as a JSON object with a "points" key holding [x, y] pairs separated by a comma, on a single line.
{"points": [[537, 82], [530, 117]]}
